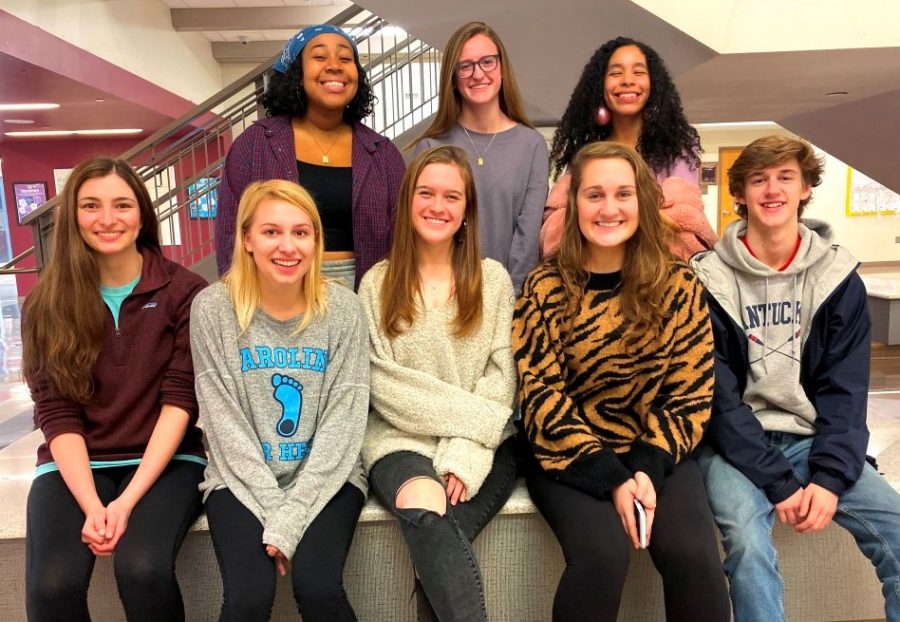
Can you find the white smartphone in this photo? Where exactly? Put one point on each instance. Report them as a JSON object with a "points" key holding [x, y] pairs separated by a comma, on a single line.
{"points": [[641, 517]]}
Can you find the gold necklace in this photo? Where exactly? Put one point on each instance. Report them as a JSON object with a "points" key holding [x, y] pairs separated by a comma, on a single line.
{"points": [[325, 159], [480, 155]]}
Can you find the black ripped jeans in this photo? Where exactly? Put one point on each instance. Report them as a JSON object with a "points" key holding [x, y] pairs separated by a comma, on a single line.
{"points": [[441, 546]]}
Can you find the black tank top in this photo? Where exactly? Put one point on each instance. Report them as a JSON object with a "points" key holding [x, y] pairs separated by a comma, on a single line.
{"points": [[331, 188]]}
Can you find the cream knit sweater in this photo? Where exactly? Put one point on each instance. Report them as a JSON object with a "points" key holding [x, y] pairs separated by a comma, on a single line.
{"points": [[449, 399]]}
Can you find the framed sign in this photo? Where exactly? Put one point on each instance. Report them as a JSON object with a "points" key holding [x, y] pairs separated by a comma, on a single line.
{"points": [[867, 197], [709, 173], [29, 195], [204, 198]]}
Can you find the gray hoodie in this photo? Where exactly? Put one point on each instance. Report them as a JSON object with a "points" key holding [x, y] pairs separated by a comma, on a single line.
{"points": [[775, 310]]}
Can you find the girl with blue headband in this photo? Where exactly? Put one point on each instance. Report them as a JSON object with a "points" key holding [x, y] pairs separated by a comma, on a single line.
{"points": [[317, 96]]}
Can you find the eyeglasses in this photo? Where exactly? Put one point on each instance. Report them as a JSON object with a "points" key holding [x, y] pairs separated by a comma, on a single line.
{"points": [[487, 63]]}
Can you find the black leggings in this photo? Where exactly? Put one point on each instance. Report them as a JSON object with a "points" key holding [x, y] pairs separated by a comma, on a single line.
{"points": [[596, 548], [317, 568], [58, 565]]}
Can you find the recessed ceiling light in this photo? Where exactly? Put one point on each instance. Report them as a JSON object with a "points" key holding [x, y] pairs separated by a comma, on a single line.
{"points": [[6, 107], [19, 121], [99, 100], [104, 132]]}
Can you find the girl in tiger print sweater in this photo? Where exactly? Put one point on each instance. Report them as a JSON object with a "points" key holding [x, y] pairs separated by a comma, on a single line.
{"points": [[615, 356]]}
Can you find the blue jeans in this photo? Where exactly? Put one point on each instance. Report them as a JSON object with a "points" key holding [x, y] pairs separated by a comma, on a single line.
{"points": [[869, 510]]}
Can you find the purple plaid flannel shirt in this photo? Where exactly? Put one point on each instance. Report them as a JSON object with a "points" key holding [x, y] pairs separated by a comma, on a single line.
{"points": [[266, 151]]}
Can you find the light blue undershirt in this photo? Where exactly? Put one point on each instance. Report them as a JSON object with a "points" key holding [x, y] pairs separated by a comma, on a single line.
{"points": [[115, 296], [50, 467]]}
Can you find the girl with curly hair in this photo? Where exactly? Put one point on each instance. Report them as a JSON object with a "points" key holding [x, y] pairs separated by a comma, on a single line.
{"points": [[626, 95], [481, 112], [317, 96]]}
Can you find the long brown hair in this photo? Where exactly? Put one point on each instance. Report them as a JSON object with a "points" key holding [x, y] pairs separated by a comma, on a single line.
{"points": [[402, 286], [242, 279], [64, 317], [450, 101], [647, 255]]}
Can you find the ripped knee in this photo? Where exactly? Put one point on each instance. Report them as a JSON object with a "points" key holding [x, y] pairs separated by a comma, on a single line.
{"points": [[422, 493]]}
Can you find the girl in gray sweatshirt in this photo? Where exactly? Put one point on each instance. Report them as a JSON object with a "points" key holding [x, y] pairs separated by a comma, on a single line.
{"points": [[283, 387]]}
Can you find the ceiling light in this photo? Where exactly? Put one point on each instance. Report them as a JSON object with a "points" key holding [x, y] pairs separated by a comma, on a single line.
{"points": [[41, 133], [7, 107], [130, 130], [19, 121], [110, 132]]}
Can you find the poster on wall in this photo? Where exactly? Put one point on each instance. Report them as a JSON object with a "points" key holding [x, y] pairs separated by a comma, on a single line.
{"points": [[204, 198], [60, 175], [867, 197], [29, 195]]}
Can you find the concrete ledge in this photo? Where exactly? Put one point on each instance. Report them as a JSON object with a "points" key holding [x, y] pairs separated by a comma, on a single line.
{"points": [[827, 578]]}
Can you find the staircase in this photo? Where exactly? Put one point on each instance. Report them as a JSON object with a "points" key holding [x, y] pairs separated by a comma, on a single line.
{"points": [[181, 164]]}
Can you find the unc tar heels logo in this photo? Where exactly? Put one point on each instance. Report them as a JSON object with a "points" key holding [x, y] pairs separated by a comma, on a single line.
{"points": [[288, 393]]}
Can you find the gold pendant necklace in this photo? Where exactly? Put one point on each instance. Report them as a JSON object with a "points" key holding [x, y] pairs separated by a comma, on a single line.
{"points": [[325, 159], [480, 160]]}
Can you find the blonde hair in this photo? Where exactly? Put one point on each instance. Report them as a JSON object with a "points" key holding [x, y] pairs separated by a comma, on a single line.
{"points": [[449, 99], [402, 287], [242, 280], [647, 256]]}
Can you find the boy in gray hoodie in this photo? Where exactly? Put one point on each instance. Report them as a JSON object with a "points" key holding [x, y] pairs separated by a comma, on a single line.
{"points": [[788, 432]]}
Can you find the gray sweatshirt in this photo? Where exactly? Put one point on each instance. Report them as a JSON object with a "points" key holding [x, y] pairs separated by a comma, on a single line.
{"points": [[284, 413], [512, 186], [775, 309]]}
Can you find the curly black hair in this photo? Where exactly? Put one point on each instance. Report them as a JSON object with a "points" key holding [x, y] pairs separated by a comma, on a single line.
{"points": [[285, 95], [666, 134]]}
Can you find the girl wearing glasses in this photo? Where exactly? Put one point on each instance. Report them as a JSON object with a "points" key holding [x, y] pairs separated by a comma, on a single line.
{"points": [[626, 95], [481, 111]]}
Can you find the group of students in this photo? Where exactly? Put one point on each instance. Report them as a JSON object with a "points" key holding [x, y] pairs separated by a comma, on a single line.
{"points": [[637, 378]]}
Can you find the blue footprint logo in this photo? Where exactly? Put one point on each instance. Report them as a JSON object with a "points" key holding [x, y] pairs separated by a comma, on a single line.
{"points": [[289, 394]]}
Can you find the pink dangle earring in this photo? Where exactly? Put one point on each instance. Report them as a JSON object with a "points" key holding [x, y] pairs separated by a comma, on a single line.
{"points": [[602, 116]]}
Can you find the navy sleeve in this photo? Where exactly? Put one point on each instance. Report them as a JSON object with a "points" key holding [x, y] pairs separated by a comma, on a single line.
{"points": [[839, 388], [734, 431]]}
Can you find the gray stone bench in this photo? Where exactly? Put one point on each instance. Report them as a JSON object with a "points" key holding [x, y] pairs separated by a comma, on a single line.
{"points": [[827, 578]]}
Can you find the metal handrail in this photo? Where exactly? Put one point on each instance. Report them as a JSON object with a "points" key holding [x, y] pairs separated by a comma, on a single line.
{"points": [[181, 162]]}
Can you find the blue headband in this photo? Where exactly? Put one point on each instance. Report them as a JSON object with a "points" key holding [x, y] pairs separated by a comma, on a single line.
{"points": [[293, 48]]}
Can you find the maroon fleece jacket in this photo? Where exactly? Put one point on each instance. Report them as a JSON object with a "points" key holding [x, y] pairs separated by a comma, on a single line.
{"points": [[144, 364]]}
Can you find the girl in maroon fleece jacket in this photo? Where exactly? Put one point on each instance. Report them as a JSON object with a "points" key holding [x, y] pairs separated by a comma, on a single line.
{"points": [[106, 354]]}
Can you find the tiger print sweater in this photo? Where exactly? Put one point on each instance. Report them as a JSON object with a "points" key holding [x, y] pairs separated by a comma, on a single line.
{"points": [[597, 410]]}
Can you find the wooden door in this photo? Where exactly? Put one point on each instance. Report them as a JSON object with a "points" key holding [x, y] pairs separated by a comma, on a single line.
{"points": [[727, 156]]}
